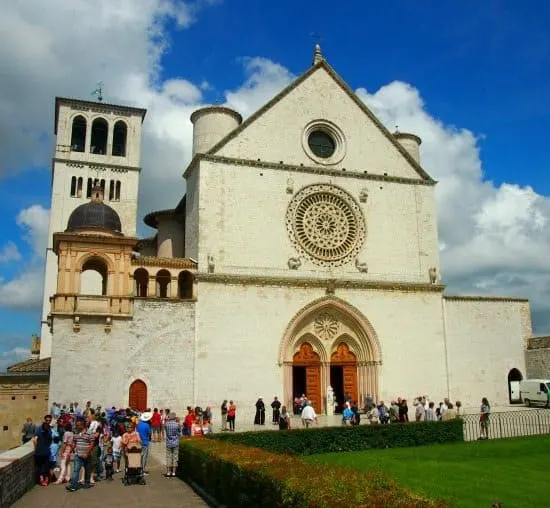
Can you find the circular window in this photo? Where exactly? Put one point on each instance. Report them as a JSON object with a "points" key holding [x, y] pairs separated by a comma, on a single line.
{"points": [[321, 144], [326, 224]]}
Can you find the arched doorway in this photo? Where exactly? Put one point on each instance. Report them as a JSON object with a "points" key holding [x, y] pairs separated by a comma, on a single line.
{"points": [[343, 375], [514, 378], [137, 397], [306, 375]]}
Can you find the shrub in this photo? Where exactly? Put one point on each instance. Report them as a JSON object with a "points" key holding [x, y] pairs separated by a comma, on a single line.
{"points": [[346, 439], [236, 475]]}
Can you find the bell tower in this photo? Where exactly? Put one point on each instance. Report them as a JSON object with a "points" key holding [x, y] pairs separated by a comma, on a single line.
{"points": [[96, 144]]}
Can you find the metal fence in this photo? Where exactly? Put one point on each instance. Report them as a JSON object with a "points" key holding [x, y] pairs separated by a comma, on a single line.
{"points": [[509, 424]]}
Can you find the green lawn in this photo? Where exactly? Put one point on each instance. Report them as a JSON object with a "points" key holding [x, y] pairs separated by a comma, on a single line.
{"points": [[512, 471]]}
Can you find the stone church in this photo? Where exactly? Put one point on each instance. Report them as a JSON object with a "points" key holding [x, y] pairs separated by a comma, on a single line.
{"points": [[304, 254]]}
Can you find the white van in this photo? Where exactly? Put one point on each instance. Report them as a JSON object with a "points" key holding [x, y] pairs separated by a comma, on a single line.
{"points": [[534, 391]]}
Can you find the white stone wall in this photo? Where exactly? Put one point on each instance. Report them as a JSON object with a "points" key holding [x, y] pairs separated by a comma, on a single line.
{"points": [[277, 134], [157, 346], [192, 210], [242, 223], [240, 328], [484, 342], [170, 238]]}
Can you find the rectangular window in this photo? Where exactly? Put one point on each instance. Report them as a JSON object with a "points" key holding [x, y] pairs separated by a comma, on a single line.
{"points": [[111, 190], [79, 187], [73, 186], [5, 428], [89, 188], [117, 191]]}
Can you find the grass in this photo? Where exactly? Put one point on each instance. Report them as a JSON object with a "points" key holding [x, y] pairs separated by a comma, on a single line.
{"points": [[512, 471]]}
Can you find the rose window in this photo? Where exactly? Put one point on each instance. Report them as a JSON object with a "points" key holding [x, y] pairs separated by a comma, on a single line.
{"points": [[326, 224], [325, 326]]}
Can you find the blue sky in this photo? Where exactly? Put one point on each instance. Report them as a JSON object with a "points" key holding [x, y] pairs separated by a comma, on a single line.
{"points": [[473, 77]]}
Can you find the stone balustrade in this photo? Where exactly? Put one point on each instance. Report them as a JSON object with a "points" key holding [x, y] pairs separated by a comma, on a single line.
{"points": [[17, 474], [91, 304]]}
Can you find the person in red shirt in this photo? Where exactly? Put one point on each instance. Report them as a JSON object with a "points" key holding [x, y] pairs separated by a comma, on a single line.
{"points": [[188, 422], [156, 425]]}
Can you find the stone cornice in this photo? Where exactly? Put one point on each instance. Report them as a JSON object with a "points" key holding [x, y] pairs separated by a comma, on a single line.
{"points": [[164, 262], [458, 298], [303, 169], [96, 165], [309, 282], [90, 238]]}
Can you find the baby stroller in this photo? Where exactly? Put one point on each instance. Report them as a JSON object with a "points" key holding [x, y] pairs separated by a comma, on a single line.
{"points": [[133, 472]]}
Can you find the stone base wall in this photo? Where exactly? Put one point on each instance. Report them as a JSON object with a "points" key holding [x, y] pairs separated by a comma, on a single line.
{"points": [[537, 358], [17, 474]]}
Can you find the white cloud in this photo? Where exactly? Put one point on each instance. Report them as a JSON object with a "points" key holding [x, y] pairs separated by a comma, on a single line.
{"points": [[494, 238], [35, 223], [9, 252], [17, 354]]}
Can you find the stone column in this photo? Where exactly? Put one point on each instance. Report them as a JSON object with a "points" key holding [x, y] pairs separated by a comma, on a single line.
{"points": [[152, 286]]}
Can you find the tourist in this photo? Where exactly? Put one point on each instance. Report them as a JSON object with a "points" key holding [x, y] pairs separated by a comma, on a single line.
{"points": [[394, 412], [162, 422], [373, 416], [94, 429], [231, 413], [430, 413], [347, 415], [450, 414], [28, 431], [383, 412], [42, 441], [65, 455], [82, 445], [131, 439], [403, 411], [484, 416], [156, 425], [144, 430], [54, 456], [116, 442], [459, 409], [356, 418], [108, 463], [419, 411], [259, 419], [284, 419], [172, 433], [297, 406], [276, 406], [308, 415], [369, 403], [188, 422], [224, 415]]}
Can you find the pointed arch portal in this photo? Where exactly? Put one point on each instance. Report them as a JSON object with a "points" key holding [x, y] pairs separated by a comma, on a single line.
{"points": [[330, 343]]}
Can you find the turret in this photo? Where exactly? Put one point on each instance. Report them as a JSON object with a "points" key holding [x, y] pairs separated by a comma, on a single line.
{"points": [[211, 124], [409, 142]]}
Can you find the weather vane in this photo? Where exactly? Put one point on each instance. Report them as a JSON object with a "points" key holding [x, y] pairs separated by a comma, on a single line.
{"points": [[98, 92]]}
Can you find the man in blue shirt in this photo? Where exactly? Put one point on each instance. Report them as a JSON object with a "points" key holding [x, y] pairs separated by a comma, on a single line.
{"points": [[144, 430]]}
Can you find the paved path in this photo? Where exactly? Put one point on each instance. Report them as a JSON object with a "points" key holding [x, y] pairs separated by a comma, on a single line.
{"points": [[159, 491]]}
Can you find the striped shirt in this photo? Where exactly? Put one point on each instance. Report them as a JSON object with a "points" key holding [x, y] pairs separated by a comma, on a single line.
{"points": [[82, 443]]}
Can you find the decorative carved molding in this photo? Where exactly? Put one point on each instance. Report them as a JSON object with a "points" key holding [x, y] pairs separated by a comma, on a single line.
{"points": [[343, 354], [317, 170], [456, 298], [364, 195], [294, 263], [164, 262], [361, 266], [211, 264], [290, 186], [306, 354], [98, 167], [326, 326], [432, 272], [309, 282]]}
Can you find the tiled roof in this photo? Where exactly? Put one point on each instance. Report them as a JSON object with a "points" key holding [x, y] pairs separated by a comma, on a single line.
{"points": [[32, 365]]}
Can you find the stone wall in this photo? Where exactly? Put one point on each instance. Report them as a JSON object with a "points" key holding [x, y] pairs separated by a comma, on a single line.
{"points": [[19, 399], [156, 346], [17, 474], [537, 358]]}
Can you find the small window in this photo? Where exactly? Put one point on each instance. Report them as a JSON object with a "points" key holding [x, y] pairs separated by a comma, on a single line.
{"points": [[73, 187], [98, 142], [321, 144], [34, 397], [79, 187], [89, 188], [117, 191], [111, 190], [119, 139], [102, 185], [5, 428], [13, 398]]}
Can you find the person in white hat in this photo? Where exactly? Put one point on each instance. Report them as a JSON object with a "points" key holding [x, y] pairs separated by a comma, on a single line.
{"points": [[144, 430]]}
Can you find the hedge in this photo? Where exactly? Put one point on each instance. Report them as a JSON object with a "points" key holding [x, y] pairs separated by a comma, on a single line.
{"points": [[346, 439], [235, 475]]}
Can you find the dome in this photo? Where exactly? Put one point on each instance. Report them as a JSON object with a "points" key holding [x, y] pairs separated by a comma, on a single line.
{"points": [[94, 215]]}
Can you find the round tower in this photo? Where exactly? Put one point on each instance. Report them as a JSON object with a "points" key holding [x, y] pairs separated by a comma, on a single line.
{"points": [[211, 124], [409, 142]]}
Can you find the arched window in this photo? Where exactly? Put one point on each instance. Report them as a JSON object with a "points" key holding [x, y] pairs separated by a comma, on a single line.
{"points": [[117, 191], [79, 187], [111, 190], [102, 185], [78, 134], [120, 133], [100, 130], [163, 283], [89, 188], [141, 282], [93, 279], [185, 285], [73, 186]]}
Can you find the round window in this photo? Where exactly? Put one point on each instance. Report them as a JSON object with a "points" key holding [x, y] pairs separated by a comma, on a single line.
{"points": [[321, 144]]}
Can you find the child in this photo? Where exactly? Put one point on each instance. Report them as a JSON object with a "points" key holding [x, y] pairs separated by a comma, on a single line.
{"points": [[108, 462], [116, 441], [54, 451]]}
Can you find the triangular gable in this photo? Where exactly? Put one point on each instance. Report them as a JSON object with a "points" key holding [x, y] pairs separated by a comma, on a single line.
{"points": [[347, 90]]}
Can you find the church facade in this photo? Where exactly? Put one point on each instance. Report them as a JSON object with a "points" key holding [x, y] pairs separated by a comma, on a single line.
{"points": [[303, 255]]}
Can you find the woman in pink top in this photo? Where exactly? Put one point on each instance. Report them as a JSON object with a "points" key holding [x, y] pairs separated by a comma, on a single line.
{"points": [[65, 455]]}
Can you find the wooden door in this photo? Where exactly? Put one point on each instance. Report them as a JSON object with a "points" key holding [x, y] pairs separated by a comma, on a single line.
{"points": [[348, 361], [137, 398], [308, 358]]}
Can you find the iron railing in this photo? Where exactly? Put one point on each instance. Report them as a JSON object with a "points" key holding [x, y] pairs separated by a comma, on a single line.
{"points": [[529, 422]]}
